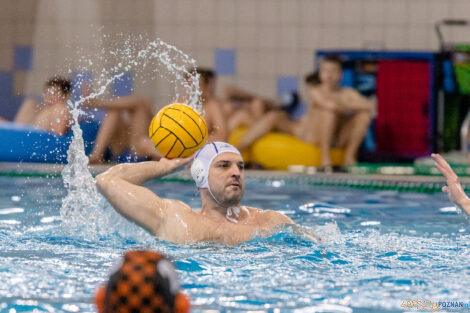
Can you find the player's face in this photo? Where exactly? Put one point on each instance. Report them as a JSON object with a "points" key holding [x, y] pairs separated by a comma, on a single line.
{"points": [[330, 73], [227, 178], [53, 95]]}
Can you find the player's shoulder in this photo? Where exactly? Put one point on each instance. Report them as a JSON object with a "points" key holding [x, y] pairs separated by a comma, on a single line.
{"points": [[252, 210], [177, 206], [271, 216]]}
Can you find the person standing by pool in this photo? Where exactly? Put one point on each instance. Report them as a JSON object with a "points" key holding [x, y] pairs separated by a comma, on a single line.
{"points": [[218, 171], [453, 188], [51, 114]]}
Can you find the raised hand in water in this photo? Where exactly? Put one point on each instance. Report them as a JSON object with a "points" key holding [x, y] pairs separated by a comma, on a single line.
{"points": [[453, 189]]}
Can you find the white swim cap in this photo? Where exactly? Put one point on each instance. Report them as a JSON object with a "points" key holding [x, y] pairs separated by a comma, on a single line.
{"points": [[203, 160]]}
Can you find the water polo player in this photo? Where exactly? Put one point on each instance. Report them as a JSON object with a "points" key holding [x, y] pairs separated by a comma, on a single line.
{"points": [[453, 188], [218, 171], [145, 281]]}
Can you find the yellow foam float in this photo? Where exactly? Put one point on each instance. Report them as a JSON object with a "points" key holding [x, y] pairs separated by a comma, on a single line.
{"points": [[277, 151]]}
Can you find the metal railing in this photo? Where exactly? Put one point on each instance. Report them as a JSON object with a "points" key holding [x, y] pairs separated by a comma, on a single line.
{"points": [[447, 22]]}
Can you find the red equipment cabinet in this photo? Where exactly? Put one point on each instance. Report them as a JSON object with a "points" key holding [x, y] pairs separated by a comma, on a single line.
{"points": [[403, 107]]}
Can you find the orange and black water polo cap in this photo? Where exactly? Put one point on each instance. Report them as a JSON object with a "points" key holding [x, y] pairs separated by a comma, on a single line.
{"points": [[143, 282]]}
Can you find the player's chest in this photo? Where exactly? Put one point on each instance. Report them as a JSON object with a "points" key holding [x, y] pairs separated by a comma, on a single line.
{"points": [[233, 233]]}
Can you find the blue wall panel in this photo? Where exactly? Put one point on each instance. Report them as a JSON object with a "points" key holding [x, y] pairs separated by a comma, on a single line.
{"points": [[123, 86], [287, 84], [225, 62], [23, 58]]}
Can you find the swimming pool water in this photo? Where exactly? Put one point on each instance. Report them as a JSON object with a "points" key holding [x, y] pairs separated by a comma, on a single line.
{"points": [[381, 248]]}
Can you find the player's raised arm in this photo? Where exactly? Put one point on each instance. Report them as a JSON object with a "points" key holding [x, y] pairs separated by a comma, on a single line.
{"points": [[120, 185], [453, 189]]}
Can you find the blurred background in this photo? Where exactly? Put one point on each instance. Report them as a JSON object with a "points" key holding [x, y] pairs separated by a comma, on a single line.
{"points": [[263, 46]]}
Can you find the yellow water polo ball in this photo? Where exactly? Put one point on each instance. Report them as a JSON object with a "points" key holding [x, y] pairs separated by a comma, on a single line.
{"points": [[178, 130]]}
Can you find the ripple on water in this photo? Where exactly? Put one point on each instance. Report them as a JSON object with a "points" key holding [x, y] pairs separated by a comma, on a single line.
{"points": [[361, 268]]}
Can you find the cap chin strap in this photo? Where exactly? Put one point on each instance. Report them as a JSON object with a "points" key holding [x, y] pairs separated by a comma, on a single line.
{"points": [[232, 210]]}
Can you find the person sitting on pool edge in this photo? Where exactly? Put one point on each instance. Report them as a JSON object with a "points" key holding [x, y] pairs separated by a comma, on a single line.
{"points": [[339, 111], [282, 121], [51, 114], [218, 171], [453, 188], [123, 133], [336, 116]]}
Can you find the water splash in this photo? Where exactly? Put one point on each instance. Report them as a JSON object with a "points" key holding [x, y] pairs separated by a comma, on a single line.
{"points": [[147, 60], [83, 209], [80, 206]]}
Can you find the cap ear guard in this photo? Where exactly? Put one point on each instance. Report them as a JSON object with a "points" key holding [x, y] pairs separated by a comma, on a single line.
{"points": [[203, 160], [198, 172]]}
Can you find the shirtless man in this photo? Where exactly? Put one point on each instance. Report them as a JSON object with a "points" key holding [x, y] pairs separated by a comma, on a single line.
{"points": [[332, 109], [52, 114], [123, 133], [211, 106], [337, 109], [242, 108], [453, 188], [218, 171], [279, 120]]}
